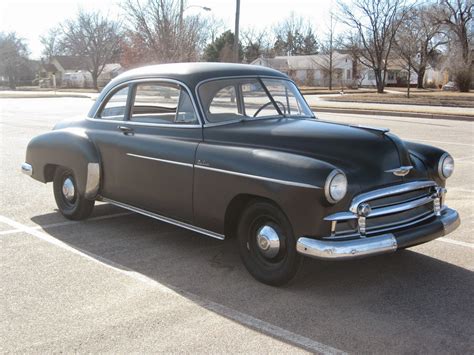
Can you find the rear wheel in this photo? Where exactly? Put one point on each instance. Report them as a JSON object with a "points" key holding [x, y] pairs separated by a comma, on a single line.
{"points": [[70, 202], [267, 245]]}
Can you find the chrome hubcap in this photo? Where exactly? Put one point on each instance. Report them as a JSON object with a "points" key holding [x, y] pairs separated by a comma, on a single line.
{"points": [[68, 189], [268, 241]]}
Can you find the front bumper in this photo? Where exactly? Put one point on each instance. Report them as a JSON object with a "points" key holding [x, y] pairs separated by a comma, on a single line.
{"points": [[440, 226]]}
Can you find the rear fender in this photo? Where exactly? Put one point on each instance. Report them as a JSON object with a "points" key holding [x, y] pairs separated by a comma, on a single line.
{"points": [[70, 148]]}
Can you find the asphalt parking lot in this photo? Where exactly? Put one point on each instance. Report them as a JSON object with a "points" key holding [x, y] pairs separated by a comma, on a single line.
{"points": [[121, 282]]}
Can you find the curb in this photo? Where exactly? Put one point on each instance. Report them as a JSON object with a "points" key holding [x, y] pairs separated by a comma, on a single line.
{"points": [[393, 113], [80, 96]]}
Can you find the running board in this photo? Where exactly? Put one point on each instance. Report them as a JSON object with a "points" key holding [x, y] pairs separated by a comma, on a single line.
{"points": [[165, 219]]}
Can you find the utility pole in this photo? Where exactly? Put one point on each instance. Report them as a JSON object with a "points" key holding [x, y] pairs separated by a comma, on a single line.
{"points": [[235, 48], [181, 13]]}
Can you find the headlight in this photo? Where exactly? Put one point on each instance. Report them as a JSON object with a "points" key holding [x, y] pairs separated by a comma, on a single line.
{"points": [[336, 186], [445, 166]]}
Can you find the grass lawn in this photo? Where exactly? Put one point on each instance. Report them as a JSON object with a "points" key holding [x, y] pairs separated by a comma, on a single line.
{"points": [[417, 97]]}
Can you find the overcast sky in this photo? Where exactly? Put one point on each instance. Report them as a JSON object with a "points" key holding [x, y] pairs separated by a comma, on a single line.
{"points": [[32, 18]]}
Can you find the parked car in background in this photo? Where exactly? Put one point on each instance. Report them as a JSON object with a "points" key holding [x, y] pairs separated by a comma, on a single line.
{"points": [[450, 86], [231, 150]]}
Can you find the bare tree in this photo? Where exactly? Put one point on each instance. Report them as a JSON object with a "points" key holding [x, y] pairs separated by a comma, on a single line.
{"points": [[407, 44], [329, 44], [376, 22], [255, 44], [457, 15], [426, 31], [295, 36], [13, 54], [51, 43], [158, 29], [93, 36]]}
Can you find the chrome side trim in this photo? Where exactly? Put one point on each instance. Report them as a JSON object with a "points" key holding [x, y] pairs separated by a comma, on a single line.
{"points": [[278, 181], [27, 169], [134, 123], [161, 160], [389, 191], [166, 219], [93, 180], [340, 250]]}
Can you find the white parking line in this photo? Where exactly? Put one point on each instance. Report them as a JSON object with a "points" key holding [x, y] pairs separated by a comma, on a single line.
{"points": [[67, 223], [457, 242], [467, 159], [222, 310]]}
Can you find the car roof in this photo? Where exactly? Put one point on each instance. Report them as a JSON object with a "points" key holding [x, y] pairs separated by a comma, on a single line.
{"points": [[193, 73]]}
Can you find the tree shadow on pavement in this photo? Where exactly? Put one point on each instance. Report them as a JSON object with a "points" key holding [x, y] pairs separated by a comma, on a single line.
{"points": [[403, 302]]}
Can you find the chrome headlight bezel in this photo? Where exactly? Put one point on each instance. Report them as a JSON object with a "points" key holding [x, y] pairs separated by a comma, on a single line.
{"points": [[445, 166], [335, 177]]}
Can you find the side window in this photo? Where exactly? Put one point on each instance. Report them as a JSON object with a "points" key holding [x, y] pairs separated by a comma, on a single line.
{"points": [[162, 103], [115, 107]]}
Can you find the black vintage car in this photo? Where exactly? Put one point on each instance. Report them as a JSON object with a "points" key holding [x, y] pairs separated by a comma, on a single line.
{"points": [[234, 150]]}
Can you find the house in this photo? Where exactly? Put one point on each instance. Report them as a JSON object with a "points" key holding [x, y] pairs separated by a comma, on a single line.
{"points": [[313, 70], [109, 72], [397, 75], [72, 72]]}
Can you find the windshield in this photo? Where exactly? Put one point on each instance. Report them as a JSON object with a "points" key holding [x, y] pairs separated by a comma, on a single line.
{"points": [[250, 98]]}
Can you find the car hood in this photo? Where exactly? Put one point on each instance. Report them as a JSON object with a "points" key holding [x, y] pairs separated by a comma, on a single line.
{"points": [[364, 154]]}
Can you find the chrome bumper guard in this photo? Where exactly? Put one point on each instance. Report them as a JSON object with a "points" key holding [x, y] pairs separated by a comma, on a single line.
{"points": [[27, 169], [381, 244]]}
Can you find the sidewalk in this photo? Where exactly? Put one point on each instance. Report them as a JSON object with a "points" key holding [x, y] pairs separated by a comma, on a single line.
{"points": [[25, 94], [318, 103]]}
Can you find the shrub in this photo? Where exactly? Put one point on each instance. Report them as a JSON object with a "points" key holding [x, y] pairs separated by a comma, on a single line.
{"points": [[463, 79]]}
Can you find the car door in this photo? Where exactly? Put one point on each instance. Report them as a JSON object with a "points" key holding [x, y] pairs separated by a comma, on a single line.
{"points": [[148, 160]]}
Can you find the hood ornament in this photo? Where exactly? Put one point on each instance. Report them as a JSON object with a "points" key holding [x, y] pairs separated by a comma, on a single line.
{"points": [[401, 171]]}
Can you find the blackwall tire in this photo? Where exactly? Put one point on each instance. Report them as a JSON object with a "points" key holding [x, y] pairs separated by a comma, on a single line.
{"points": [[70, 202], [260, 225]]}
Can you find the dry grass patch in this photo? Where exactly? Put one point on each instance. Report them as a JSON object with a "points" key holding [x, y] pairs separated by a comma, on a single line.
{"points": [[429, 98]]}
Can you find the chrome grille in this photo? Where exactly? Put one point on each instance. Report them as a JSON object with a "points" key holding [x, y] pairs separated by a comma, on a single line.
{"points": [[391, 208], [401, 198]]}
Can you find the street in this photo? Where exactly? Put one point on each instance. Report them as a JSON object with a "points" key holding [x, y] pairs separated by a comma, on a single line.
{"points": [[121, 282]]}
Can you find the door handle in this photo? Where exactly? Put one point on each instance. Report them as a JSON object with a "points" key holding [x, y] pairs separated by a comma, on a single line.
{"points": [[126, 130]]}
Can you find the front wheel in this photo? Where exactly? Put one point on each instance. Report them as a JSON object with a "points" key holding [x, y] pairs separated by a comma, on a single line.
{"points": [[267, 245], [71, 203]]}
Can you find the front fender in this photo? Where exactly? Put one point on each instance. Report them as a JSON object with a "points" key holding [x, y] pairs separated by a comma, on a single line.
{"points": [[430, 157], [294, 182], [70, 148]]}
